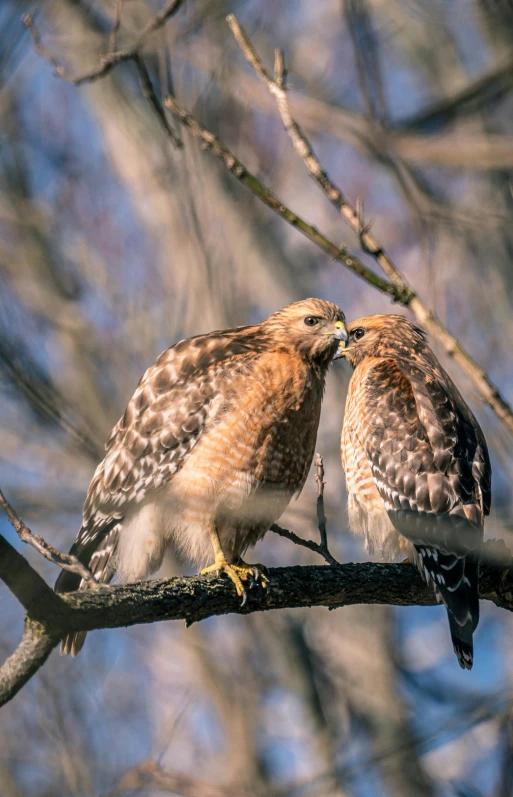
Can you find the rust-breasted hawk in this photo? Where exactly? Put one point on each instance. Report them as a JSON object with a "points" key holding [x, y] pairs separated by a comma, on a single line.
{"points": [[217, 438], [417, 468]]}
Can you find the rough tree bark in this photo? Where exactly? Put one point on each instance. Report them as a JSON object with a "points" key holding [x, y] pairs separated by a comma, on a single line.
{"points": [[50, 616]]}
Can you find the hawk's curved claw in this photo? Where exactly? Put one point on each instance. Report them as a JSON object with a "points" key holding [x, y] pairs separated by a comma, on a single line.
{"points": [[255, 575], [239, 573]]}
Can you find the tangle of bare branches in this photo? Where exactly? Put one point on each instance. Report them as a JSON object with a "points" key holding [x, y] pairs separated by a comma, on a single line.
{"points": [[397, 287]]}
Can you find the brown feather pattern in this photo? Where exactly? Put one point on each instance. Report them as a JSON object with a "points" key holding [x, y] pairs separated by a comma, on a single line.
{"points": [[416, 463], [220, 431]]}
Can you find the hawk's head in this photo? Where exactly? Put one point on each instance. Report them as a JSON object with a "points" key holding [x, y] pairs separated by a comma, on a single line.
{"points": [[312, 327], [382, 336]]}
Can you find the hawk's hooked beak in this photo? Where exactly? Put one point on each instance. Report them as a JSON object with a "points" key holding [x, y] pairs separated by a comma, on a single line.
{"points": [[342, 335]]}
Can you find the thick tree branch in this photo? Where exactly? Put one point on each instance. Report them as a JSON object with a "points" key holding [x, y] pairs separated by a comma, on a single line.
{"points": [[34, 594], [195, 598], [353, 216], [27, 659]]}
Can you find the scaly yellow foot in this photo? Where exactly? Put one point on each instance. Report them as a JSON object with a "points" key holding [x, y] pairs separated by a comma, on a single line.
{"points": [[255, 574], [238, 573]]}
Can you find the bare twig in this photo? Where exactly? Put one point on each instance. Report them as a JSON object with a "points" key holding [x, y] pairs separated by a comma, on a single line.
{"points": [[322, 547], [278, 89], [40, 47], [111, 59], [310, 544], [321, 517], [450, 148], [115, 26], [369, 243], [236, 167], [63, 560], [149, 93]]}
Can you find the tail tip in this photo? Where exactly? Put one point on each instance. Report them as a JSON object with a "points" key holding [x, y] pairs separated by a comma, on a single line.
{"points": [[465, 656], [72, 644]]}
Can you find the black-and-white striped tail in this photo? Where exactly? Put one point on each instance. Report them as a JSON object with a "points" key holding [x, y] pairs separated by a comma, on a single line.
{"points": [[455, 579]]}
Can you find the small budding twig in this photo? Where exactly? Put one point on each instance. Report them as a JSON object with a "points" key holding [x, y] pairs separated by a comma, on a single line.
{"points": [[64, 560], [322, 547], [310, 544], [39, 46], [321, 517], [113, 38]]}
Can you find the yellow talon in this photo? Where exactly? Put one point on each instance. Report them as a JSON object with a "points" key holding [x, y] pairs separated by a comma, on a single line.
{"points": [[221, 566], [256, 574], [239, 573]]}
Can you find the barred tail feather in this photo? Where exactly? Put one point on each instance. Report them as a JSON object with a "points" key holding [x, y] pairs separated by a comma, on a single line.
{"points": [[462, 642], [455, 579], [97, 554]]}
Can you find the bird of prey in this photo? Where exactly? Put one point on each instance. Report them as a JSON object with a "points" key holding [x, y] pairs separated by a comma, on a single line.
{"points": [[417, 469], [217, 438]]}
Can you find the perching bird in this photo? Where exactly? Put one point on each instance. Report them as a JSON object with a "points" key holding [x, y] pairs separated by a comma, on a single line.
{"points": [[217, 438], [417, 468]]}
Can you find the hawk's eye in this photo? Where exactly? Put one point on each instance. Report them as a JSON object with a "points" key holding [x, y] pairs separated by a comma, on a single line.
{"points": [[311, 320], [358, 333]]}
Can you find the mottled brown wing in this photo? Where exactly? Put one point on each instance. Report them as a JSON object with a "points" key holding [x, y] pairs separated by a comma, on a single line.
{"points": [[176, 399], [427, 452], [430, 463]]}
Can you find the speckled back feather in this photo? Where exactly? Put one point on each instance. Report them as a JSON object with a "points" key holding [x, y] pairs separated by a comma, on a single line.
{"points": [[426, 471]]}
